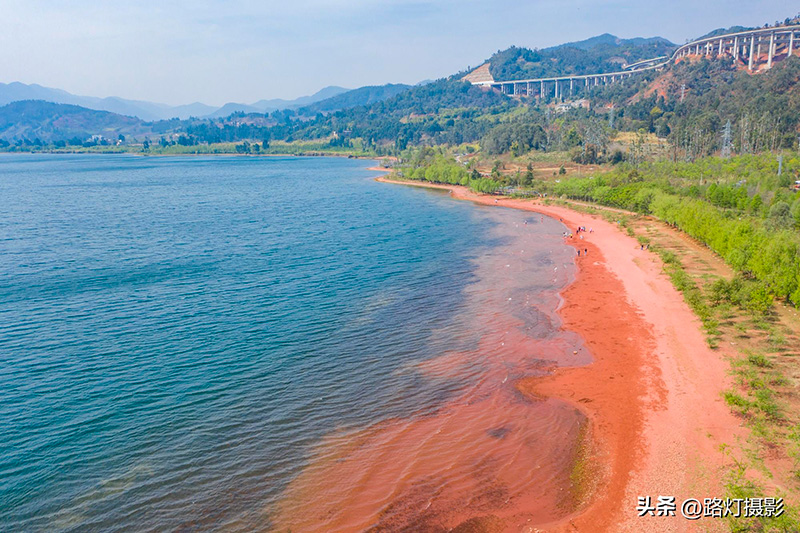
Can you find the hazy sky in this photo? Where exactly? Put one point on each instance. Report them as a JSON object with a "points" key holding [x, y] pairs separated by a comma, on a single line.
{"points": [[176, 51]]}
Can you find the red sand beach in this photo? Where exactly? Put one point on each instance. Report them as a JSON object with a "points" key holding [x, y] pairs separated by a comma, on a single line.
{"points": [[652, 394], [568, 446]]}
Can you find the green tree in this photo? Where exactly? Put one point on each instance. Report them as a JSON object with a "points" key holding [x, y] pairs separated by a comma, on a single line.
{"points": [[780, 216]]}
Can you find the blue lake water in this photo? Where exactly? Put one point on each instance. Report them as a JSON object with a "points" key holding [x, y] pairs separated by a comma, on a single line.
{"points": [[177, 333]]}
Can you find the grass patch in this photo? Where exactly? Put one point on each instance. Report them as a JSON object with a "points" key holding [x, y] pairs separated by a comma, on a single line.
{"points": [[737, 402], [737, 486], [765, 402], [759, 360]]}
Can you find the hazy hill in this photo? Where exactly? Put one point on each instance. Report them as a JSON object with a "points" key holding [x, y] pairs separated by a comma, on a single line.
{"points": [[149, 111], [612, 41], [603, 53], [231, 108], [357, 97], [267, 106], [723, 31], [46, 121], [323, 94], [14, 92]]}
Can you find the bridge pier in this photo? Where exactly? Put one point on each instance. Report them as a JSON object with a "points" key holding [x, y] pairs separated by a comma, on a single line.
{"points": [[752, 47], [771, 49], [791, 44], [758, 47]]}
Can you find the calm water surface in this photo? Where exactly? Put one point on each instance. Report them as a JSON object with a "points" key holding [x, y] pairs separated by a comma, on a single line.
{"points": [[177, 334]]}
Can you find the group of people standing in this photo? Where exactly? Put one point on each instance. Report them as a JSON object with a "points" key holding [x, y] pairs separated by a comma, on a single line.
{"points": [[581, 229]]}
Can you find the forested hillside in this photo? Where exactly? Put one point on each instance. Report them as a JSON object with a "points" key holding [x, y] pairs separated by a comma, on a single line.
{"points": [[41, 122], [444, 111], [605, 53], [357, 97]]}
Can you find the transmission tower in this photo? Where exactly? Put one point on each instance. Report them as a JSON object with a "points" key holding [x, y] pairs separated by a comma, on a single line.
{"points": [[683, 91], [726, 140]]}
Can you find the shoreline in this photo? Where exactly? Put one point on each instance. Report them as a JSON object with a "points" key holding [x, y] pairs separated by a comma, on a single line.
{"points": [[653, 393], [208, 154]]}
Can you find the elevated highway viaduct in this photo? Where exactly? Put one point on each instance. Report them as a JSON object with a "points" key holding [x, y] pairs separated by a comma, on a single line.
{"points": [[755, 50]]}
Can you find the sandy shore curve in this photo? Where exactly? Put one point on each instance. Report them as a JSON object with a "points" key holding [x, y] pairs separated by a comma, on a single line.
{"points": [[654, 392]]}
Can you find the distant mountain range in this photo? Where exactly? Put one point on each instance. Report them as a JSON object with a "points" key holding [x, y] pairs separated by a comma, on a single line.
{"points": [[50, 121], [149, 111]]}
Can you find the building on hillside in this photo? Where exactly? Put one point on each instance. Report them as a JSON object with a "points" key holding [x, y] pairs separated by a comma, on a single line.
{"points": [[574, 104]]}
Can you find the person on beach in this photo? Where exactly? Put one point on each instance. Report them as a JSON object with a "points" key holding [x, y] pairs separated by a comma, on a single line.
{"points": [[585, 251], [579, 252]]}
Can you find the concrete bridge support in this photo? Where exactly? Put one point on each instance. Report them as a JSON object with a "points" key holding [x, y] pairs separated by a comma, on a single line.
{"points": [[771, 49]]}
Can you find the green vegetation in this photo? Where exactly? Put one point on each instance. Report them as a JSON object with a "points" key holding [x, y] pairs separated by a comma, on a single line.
{"points": [[604, 53], [433, 166], [740, 208], [739, 486]]}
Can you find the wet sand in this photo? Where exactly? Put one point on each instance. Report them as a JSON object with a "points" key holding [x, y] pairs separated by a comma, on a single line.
{"points": [[652, 396]]}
